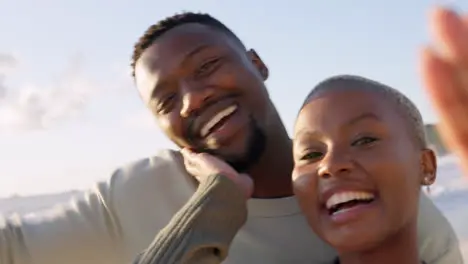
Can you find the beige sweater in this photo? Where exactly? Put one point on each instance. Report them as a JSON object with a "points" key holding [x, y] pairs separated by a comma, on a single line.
{"points": [[202, 231], [118, 218]]}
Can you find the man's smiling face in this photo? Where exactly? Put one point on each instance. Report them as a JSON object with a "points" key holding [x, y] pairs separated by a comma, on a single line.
{"points": [[207, 92]]}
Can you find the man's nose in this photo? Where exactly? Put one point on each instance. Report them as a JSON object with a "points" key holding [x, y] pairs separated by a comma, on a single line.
{"points": [[195, 96], [335, 163]]}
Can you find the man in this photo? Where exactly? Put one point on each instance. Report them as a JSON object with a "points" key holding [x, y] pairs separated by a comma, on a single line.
{"points": [[208, 94]]}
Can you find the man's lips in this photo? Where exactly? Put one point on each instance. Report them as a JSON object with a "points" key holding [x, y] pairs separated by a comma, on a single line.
{"points": [[211, 117], [217, 120]]}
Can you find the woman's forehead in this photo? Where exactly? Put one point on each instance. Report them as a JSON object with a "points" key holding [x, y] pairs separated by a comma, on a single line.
{"points": [[341, 106]]}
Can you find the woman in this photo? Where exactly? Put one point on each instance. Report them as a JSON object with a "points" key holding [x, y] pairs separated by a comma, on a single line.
{"points": [[358, 170], [360, 161]]}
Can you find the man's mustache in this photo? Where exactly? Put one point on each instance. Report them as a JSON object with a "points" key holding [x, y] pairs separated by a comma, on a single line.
{"points": [[191, 131]]}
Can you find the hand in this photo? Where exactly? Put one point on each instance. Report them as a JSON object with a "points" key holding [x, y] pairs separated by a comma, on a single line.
{"points": [[202, 165], [444, 69]]}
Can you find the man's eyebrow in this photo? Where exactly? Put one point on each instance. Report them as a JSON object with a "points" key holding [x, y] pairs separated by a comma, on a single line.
{"points": [[157, 88], [159, 85], [195, 51]]}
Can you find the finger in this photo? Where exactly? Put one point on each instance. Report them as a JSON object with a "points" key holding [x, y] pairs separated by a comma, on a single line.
{"points": [[190, 166], [190, 156], [465, 20], [209, 159], [440, 80], [449, 97], [203, 155], [190, 162], [187, 152], [450, 34], [247, 185]]}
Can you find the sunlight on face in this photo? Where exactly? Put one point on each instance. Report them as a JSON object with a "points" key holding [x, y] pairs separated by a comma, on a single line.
{"points": [[357, 171]]}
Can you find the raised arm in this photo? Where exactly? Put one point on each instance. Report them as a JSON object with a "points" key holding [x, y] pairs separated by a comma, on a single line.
{"points": [[84, 231], [202, 231], [110, 224]]}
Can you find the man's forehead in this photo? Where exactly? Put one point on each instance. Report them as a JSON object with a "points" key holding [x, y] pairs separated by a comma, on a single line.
{"points": [[171, 49], [179, 42]]}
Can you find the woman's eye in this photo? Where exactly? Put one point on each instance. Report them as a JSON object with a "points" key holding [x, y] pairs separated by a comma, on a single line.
{"points": [[364, 141], [312, 155]]}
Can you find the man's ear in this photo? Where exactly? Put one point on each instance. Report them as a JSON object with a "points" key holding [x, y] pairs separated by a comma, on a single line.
{"points": [[429, 167], [257, 61]]}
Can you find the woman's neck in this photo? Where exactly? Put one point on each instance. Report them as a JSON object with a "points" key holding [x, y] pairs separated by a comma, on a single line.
{"points": [[401, 248]]}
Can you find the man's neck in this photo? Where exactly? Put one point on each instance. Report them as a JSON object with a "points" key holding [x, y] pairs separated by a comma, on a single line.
{"points": [[401, 248], [272, 173]]}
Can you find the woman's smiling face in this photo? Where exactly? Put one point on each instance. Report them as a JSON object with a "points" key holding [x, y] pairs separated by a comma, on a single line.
{"points": [[358, 170]]}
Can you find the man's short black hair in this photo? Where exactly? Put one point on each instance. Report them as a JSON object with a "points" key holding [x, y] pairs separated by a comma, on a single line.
{"points": [[156, 30]]}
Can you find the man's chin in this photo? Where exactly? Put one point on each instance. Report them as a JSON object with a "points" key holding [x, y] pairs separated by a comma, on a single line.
{"points": [[236, 159], [242, 159], [241, 153]]}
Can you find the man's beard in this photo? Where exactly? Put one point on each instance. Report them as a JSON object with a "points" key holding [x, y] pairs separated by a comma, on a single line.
{"points": [[254, 149]]}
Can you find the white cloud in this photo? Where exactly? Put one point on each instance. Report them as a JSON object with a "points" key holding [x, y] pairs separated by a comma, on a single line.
{"points": [[3, 89], [7, 64], [122, 80], [29, 106]]}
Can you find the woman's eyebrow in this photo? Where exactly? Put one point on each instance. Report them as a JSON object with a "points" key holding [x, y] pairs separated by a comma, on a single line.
{"points": [[363, 116]]}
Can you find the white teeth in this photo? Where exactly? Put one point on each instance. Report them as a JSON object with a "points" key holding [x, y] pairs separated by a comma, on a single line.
{"points": [[343, 197], [216, 118]]}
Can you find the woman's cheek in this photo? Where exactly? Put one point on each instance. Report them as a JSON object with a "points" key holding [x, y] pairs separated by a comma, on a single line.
{"points": [[304, 183], [305, 190]]}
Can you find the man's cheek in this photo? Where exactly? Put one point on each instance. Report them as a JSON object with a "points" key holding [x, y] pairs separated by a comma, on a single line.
{"points": [[173, 130]]}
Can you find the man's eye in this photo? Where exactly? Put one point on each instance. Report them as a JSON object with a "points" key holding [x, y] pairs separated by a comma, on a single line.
{"points": [[208, 67], [364, 141], [311, 155], [165, 104]]}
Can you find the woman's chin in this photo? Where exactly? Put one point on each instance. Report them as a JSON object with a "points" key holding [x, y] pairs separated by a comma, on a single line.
{"points": [[352, 242]]}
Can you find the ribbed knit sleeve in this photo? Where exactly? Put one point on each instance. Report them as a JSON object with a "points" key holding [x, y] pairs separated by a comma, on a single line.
{"points": [[202, 231]]}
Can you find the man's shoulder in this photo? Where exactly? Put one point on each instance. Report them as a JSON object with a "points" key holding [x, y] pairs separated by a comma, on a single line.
{"points": [[143, 195], [163, 169], [165, 159]]}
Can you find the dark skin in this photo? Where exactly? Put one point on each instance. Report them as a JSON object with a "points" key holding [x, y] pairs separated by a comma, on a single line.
{"points": [[193, 72], [355, 140]]}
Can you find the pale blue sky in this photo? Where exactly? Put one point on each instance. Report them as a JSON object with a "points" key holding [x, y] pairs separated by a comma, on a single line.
{"points": [[71, 114]]}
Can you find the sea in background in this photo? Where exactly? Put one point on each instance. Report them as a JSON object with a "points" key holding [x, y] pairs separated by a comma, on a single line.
{"points": [[450, 194]]}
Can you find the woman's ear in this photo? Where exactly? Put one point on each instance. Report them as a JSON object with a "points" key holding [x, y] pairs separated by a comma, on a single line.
{"points": [[428, 167]]}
